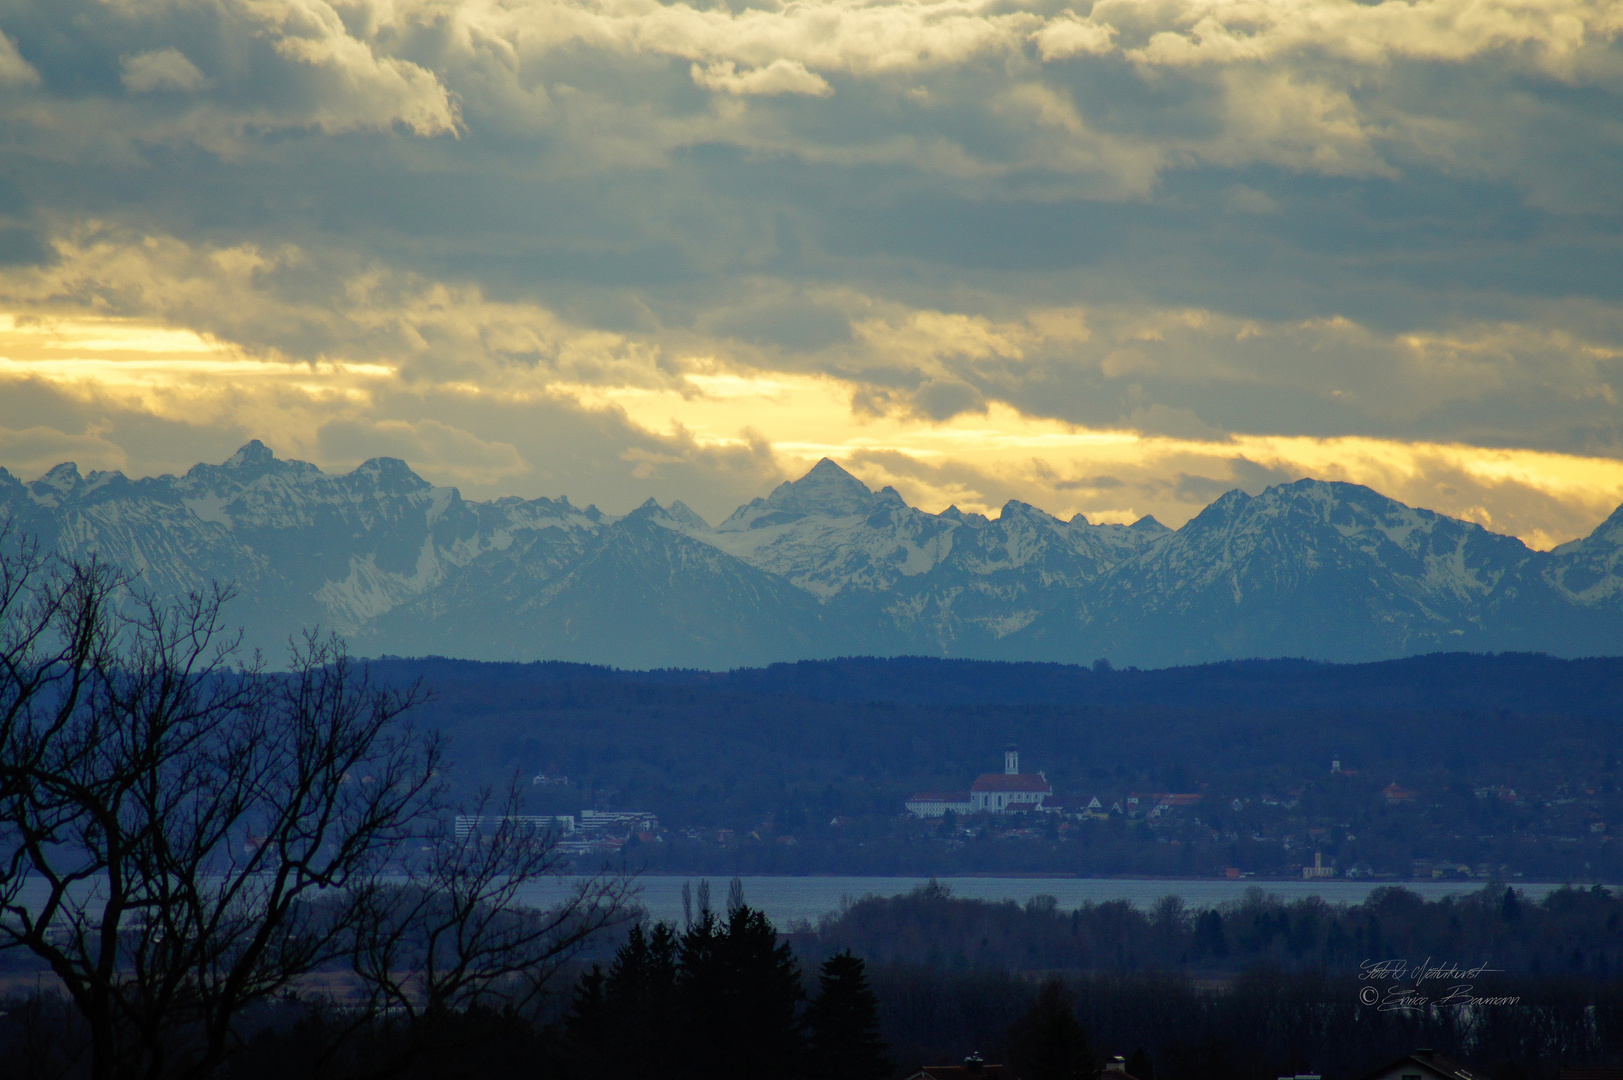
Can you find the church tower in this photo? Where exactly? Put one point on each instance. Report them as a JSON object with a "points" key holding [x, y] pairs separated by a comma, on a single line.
{"points": [[1011, 761]]}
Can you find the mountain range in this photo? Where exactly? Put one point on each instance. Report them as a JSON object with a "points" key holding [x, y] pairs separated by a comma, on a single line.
{"points": [[824, 566]]}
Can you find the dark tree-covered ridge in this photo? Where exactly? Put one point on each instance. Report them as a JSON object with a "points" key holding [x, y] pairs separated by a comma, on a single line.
{"points": [[1511, 759]]}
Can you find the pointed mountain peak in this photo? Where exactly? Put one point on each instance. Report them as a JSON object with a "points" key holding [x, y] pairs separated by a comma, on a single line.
{"points": [[251, 462], [254, 455], [827, 490], [649, 511], [678, 516], [684, 514], [63, 478], [952, 513], [390, 472], [1608, 534], [1014, 508], [1148, 524]]}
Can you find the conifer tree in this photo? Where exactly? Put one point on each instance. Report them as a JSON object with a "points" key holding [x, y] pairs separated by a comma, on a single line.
{"points": [[740, 995], [639, 995], [843, 1024], [586, 1028], [1049, 1042]]}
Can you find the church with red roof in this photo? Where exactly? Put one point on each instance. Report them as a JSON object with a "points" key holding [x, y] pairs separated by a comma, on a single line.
{"points": [[1011, 789], [997, 793]]}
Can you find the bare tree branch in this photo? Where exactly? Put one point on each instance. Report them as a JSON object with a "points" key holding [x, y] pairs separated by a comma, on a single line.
{"points": [[205, 834]]}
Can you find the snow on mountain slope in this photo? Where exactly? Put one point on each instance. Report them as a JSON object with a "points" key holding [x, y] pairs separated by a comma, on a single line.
{"points": [[1590, 570], [142, 526], [1312, 569], [635, 593], [302, 547], [829, 534], [824, 566]]}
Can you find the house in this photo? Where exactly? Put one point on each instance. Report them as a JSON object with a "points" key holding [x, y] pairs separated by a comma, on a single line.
{"points": [[927, 804], [1157, 803], [1075, 806], [1422, 1065], [491, 824], [1116, 1069], [1009, 790], [973, 1068], [1395, 793]]}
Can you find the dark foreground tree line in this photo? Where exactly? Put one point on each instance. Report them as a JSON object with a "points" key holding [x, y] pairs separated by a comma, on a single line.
{"points": [[1574, 931], [728, 996]]}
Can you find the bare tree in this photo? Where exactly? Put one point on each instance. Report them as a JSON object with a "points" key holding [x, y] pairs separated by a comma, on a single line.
{"points": [[196, 835], [453, 934]]}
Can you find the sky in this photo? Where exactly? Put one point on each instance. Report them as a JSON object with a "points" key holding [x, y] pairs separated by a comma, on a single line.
{"points": [[1111, 259]]}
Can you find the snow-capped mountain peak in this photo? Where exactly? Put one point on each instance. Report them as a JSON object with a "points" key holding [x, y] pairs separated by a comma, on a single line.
{"points": [[826, 491], [824, 566]]}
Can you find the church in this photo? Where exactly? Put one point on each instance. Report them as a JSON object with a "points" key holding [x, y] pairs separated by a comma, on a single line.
{"points": [[997, 793]]}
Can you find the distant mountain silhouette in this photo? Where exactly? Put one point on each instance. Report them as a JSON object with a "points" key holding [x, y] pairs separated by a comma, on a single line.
{"points": [[824, 567]]}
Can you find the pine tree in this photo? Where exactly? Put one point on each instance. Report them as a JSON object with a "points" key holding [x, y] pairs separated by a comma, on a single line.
{"points": [[740, 995], [843, 1024], [639, 995], [586, 1029], [1049, 1042]]}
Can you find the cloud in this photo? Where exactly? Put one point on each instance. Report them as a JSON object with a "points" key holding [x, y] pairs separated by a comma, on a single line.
{"points": [[624, 248], [14, 70], [451, 454], [1548, 35], [354, 83], [779, 77], [1070, 36], [161, 69]]}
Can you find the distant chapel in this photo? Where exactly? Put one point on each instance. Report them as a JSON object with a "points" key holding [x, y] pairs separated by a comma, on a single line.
{"points": [[1010, 790], [996, 793]]}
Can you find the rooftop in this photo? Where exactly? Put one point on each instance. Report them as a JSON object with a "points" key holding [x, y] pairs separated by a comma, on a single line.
{"points": [[1014, 782]]}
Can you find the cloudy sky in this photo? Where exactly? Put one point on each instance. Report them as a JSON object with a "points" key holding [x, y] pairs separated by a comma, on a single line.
{"points": [[1112, 258]]}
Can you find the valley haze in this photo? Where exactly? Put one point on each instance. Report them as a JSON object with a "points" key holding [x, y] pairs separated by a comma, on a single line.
{"points": [[824, 566]]}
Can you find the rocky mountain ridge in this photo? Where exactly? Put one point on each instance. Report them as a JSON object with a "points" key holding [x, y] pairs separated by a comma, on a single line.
{"points": [[824, 566]]}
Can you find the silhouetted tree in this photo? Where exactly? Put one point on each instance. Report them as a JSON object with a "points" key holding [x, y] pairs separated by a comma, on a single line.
{"points": [[202, 834], [740, 996], [640, 995], [842, 1023], [1209, 937], [587, 1029], [1049, 1042]]}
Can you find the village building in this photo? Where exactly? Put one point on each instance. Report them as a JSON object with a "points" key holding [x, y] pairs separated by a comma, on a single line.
{"points": [[973, 1068], [1159, 803], [1422, 1065], [998, 793], [928, 804], [1009, 790]]}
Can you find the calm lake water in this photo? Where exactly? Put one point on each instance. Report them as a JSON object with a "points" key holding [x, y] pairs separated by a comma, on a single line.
{"points": [[787, 899], [790, 899]]}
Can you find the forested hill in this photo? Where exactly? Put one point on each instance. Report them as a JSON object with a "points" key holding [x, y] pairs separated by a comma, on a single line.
{"points": [[1475, 682], [1508, 760]]}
